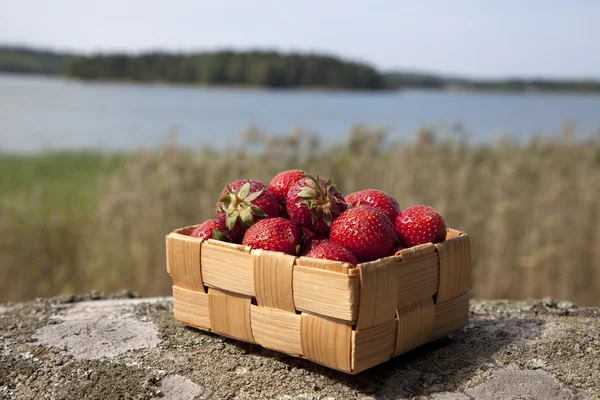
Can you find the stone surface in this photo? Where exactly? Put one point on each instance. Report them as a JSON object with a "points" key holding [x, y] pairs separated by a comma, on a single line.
{"points": [[88, 332], [513, 382], [176, 387], [123, 347]]}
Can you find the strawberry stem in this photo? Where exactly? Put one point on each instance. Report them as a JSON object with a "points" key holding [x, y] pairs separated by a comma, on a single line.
{"points": [[240, 206], [318, 198]]}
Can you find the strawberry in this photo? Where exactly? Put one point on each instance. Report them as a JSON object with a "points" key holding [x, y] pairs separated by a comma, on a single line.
{"points": [[211, 229], [420, 224], [331, 251], [308, 243], [242, 203], [275, 234], [314, 203], [280, 185], [376, 199], [283, 210], [365, 231], [283, 181], [308, 240], [307, 233], [236, 233]]}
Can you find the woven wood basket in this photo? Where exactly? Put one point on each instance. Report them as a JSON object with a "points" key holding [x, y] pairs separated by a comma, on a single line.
{"points": [[346, 317]]}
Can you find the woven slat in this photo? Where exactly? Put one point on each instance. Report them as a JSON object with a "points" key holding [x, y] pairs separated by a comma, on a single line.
{"points": [[415, 322], [276, 329], [450, 316], [326, 341], [228, 268], [417, 251], [373, 346], [418, 279], [326, 293], [453, 234], [273, 280], [455, 267], [230, 314], [191, 307], [378, 292], [183, 261], [317, 263]]}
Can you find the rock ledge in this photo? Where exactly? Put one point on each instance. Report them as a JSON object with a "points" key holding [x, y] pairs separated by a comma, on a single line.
{"points": [[113, 347]]}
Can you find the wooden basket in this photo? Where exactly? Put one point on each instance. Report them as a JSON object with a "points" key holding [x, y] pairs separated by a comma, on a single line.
{"points": [[346, 317]]}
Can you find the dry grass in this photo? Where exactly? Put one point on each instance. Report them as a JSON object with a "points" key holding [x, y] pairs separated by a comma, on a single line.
{"points": [[532, 210]]}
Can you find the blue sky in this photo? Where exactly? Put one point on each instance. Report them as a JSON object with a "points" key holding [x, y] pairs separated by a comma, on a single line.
{"points": [[500, 38]]}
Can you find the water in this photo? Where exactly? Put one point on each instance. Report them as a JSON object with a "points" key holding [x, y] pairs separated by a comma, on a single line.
{"points": [[39, 113]]}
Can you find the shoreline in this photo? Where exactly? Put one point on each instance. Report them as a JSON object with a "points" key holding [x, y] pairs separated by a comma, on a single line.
{"points": [[252, 87], [449, 89]]}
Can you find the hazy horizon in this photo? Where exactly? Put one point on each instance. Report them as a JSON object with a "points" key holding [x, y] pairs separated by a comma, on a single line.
{"points": [[282, 51], [537, 39]]}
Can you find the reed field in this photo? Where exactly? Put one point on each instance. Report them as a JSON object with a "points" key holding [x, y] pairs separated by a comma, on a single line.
{"points": [[74, 222]]}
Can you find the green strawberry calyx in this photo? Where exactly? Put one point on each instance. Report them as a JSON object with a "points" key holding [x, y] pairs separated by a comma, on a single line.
{"points": [[218, 234], [318, 198], [240, 206]]}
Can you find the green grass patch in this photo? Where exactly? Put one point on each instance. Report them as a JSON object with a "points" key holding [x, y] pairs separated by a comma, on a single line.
{"points": [[68, 182]]}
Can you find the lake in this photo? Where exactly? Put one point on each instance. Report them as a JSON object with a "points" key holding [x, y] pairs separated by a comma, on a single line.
{"points": [[39, 113]]}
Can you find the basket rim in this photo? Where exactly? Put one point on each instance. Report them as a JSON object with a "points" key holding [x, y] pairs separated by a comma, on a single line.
{"points": [[454, 233]]}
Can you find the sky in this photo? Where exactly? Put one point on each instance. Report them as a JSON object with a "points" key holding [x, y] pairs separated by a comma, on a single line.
{"points": [[482, 39]]}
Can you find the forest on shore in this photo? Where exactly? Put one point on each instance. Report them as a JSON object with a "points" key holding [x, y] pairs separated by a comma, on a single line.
{"points": [[257, 69]]}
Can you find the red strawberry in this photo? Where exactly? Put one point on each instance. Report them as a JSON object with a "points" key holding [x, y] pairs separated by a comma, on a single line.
{"points": [[210, 229], [314, 203], [420, 224], [331, 251], [283, 210], [275, 234], [365, 231], [244, 202], [308, 239], [307, 233], [283, 181], [311, 242], [376, 199], [236, 233], [280, 185]]}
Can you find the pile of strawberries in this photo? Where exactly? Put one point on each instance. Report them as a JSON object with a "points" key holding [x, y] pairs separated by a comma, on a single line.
{"points": [[303, 215]]}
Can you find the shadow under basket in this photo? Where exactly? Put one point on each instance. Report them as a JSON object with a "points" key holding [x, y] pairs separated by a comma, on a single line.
{"points": [[345, 317]]}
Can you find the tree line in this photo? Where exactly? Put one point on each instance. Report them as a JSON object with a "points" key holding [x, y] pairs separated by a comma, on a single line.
{"points": [[427, 81], [25, 60], [256, 68]]}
